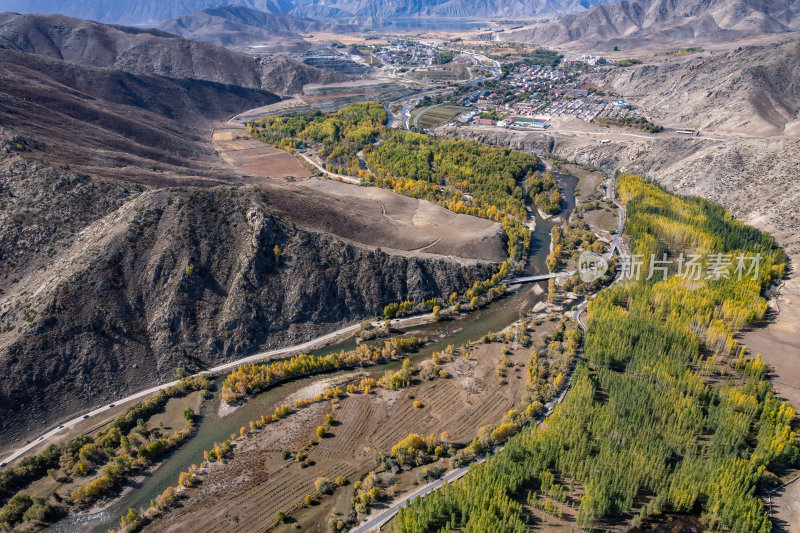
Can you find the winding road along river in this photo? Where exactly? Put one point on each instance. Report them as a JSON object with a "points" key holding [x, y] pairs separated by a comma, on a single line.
{"points": [[216, 427]]}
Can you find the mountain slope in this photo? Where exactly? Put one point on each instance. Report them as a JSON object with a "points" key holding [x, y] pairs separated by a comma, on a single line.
{"points": [[753, 90], [154, 12], [145, 52], [145, 12], [130, 248], [662, 21], [142, 127], [169, 278], [238, 25], [446, 8]]}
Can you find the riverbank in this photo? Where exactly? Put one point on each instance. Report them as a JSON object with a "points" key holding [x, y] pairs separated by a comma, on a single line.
{"points": [[777, 339]]}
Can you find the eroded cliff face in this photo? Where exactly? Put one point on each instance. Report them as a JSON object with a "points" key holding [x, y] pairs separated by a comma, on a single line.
{"points": [[107, 289]]}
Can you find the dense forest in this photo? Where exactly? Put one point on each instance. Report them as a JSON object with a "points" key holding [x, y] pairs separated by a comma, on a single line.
{"points": [[464, 176], [342, 134], [666, 413]]}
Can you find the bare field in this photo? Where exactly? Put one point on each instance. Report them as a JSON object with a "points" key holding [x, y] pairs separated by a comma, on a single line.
{"points": [[413, 225], [453, 72], [257, 158], [246, 493], [368, 216], [588, 181], [602, 221], [778, 341]]}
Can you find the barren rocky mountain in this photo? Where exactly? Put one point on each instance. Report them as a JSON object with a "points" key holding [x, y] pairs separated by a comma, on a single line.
{"points": [[448, 8], [754, 90], [286, 76], [634, 23], [149, 52], [143, 128], [106, 299], [130, 248], [237, 25], [154, 12], [151, 12]]}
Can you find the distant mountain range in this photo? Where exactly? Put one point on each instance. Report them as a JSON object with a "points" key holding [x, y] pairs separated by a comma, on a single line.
{"points": [[662, 21], [153, 52], [238, 25], [154, 12]]}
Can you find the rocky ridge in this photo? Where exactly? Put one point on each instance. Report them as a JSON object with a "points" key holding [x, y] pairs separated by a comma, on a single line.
{"points": [[151, 52], [147, 281], [640, 22]]}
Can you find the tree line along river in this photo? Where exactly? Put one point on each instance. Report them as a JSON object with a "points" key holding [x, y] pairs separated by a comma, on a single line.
{"points": [[213, 427]]}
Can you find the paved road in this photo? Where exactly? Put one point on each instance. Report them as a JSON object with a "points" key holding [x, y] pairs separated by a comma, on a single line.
{"points": [[616, 244], [379, 520], [255, 358], [416, 118], [411, 102]]}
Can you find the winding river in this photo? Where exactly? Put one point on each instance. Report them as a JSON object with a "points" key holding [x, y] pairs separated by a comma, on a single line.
{"points": [[214, 427]]}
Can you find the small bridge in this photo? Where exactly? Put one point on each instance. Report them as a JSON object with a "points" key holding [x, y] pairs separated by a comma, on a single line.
{"points": [[531, 279]]}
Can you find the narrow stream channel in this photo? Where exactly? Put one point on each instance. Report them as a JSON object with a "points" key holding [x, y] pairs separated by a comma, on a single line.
{"points": [[215, 428]]}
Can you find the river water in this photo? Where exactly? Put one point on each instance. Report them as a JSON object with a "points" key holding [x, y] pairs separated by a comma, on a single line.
{"points": [[212, 427], [430, 23]]}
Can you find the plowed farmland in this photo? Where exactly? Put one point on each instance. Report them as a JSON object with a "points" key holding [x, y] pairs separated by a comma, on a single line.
{"points": [[264, 475]]}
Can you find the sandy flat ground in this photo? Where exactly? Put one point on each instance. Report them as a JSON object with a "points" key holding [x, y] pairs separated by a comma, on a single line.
{"points": [[779, 341], [779, 345], [417, 225], [786, 508]]}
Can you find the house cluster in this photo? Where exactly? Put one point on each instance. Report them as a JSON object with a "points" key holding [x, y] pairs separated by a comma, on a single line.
{"points": [[532, 79], [531, 123], [408, 53], [474, 117], [529, 96], [586, 59], [534, 114], [480, 98]]}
